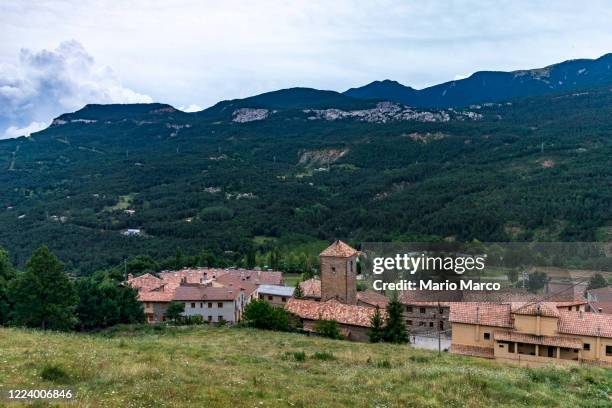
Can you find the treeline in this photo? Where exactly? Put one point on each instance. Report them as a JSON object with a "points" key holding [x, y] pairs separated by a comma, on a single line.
{"points": [[44, 296]]}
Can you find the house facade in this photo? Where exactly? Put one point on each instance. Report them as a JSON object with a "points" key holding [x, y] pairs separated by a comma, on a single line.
{"points": [[157, 292], [531, 334], [276, 295]]}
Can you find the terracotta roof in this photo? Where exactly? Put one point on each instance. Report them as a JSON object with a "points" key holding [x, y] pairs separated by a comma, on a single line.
{"points": [[584, 323], [428, 297], [331, 310], [503, 295], [311, 288], [145, 282], [373, 298], [203, 292], [548, 309], [486, 314], [339, 249], [254, 277], [569, 342], [486, 352], [230, 280], [161, 294]]}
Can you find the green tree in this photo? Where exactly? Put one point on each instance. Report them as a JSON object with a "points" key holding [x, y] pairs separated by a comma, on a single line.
{"points": [[6, 274], [513, 275], [175, 310], [597, 281], [43, 295], [251, 258], [274, 259], [142, 264], [104, 300], [536, 281], [395, 330], [328, 328], [297, 293], [261, 315], [377, 331]]}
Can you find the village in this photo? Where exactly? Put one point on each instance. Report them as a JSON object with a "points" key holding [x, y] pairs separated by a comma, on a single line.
{"points": [[515, 327]]}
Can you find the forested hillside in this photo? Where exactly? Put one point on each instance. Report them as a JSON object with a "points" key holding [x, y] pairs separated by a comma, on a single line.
{"points": [[291, 168]]}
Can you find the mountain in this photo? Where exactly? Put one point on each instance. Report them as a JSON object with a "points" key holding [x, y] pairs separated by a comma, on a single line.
{"points": [[491, 86], [293, 168], [292, 98]]}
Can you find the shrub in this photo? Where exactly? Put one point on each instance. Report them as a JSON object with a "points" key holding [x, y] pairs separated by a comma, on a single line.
{"points": [[261, 315], [323, 356], [328, 328], [383, 364], [54, 373], [296, 355]]}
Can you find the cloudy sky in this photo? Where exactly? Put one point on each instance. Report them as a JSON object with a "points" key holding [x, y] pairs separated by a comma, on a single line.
{"points": [[56, 56]]}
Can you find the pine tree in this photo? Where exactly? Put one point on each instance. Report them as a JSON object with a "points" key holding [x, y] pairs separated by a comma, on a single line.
{"points": [[395, 330], [6, 274], [297, 293], [376, 332], [43, 296]]}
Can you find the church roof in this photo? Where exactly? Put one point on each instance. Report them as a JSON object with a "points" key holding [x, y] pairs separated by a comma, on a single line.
{"points": [[339, 249]]}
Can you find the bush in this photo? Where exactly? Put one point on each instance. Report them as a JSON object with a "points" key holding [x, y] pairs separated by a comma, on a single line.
{"points": [[323, 356], [328, 328], [296, 355], [54, 373], [261, 315]]}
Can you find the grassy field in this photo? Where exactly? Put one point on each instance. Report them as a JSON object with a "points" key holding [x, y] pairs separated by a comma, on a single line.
{"points": [[229, 367]]}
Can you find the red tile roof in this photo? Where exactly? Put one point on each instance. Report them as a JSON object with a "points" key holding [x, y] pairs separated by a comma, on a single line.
{"points": [[163, 294], [145, 282], [202, 292], [569, 342], [584, 323], [331, 310], [311, 288], [548, 309], [339, 249], [373, 298], [486, 314]]}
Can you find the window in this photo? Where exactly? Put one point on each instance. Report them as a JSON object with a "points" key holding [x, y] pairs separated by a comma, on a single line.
{"points": [[608, 350], [333, 269], [220, 318], [487, 336], [201, 305], [193, 305], [430, 324], [511, 348], [441, 311], [210, 318], [260, 296], [421, 323], [409, 309], [409, 322], [270, 297], [220, 304], [284, 299], [587, 346], [422, 310], [209, 305]]}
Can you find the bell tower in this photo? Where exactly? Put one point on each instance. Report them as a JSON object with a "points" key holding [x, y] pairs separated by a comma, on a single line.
{"points": [[338, 265]]}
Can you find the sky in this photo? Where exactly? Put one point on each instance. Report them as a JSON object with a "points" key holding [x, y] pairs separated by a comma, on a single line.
{"points": [[56, 56]]}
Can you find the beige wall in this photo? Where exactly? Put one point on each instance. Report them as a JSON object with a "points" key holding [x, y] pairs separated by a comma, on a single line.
{"points": [[473, 335], [538, 325], [274, 300]]}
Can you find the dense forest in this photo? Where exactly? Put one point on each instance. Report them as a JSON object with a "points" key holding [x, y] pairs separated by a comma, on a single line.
{"points": [[231, 185]]}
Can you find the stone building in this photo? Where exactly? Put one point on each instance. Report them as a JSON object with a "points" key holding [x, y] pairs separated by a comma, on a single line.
{"points": [[338, 265]]}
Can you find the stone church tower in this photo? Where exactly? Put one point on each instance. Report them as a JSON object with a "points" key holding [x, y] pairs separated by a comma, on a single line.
{"points": [[338, 265]]}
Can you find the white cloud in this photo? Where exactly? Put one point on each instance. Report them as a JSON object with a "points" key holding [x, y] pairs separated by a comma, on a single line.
{"points": [[191, 108], [14, 131], [47, 83]]}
